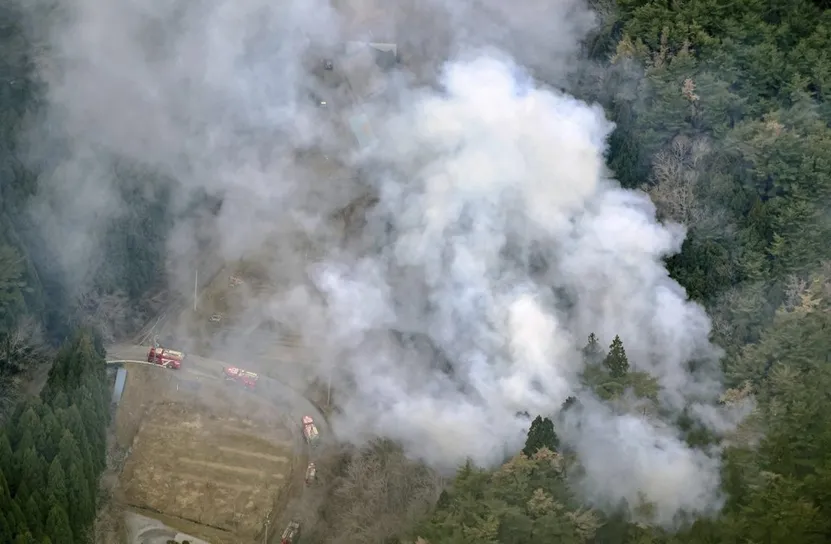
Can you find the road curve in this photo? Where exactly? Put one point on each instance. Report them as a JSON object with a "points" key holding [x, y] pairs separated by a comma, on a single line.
{"points": [[286, 398]]}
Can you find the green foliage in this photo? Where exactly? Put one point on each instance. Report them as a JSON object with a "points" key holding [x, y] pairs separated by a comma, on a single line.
{"points": [[592, 351], [541, 435], [134, 243], [525, 501], [616, 361], [734, 96], [52, 451], [11, 286], [722, 115]]}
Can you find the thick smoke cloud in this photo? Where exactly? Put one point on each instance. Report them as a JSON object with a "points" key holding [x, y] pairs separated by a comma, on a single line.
{"points": [[498, 243], [477, 183]]}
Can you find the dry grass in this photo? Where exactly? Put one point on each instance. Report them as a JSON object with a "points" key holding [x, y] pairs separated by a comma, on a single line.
{"points": [[218, 471]]}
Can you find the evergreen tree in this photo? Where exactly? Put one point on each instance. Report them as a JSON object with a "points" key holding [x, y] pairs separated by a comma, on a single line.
{"points": [[68, 450], [50, 437], [23, 492], [592, 350], [81, 506], [6, 533], [60, 401], [16, 518], [5, 494], [570, 402], [56, 485], [57, 526], [616, 361], [32, 469], [34, 516], [25, 538], [541, 435], [28, 422], [6, 460]]}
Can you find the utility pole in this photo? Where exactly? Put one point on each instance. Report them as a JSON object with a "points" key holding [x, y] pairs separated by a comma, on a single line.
{"points": [[329, 389], [195, 288]]}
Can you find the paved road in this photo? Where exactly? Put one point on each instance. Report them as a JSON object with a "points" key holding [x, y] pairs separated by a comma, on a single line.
{"points": [[288, 400]]}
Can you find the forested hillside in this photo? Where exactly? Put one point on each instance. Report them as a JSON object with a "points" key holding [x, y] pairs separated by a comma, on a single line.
{"points": [[52, 445], [38, 308], [723, 117], [52, 451]]}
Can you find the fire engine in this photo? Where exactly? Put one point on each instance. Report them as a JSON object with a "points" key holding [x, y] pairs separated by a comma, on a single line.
{"points": [[311, 472], [167, 358], [310, 430], [248, 379], [291, 533]]}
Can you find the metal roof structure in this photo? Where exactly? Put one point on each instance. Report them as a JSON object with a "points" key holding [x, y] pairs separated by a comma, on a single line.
{"points": [[120, 382]]}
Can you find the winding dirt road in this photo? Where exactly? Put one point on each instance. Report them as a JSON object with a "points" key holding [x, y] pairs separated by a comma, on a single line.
{"points": [[285, 399]]}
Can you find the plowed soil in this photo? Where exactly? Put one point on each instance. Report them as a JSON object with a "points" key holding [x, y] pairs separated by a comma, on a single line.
{"points": [[222, 472]]}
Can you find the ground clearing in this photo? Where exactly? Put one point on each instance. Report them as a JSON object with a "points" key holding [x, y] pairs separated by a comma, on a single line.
{"points": [[222, 472]]}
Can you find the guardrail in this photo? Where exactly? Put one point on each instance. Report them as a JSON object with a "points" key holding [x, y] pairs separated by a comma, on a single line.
{"points": [[123, 361]]}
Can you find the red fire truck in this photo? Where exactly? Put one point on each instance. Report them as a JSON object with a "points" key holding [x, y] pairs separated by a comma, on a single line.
{"points": [[167, 358], [248, 379], [310, 430]]}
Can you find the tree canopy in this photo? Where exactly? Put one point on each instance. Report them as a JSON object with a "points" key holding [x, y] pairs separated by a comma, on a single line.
{"points": [[729, 132], [52, 451]]}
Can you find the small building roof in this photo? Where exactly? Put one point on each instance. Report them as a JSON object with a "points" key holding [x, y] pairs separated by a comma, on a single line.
{"points": [[120, 382]]}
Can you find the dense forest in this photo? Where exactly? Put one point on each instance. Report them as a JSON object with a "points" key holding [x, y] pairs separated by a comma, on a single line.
{"points": [[52, 451], [38, 309], [723, 116]]}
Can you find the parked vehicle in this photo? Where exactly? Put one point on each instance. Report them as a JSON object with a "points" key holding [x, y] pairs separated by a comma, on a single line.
{"points": [[291, 534], [167, 358], [247, 379], [310, 430], [311, 473]]}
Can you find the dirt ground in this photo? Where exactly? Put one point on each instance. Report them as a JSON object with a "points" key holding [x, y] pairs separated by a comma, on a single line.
{"points": [[227, 297], [217, 471], [182, 451]]}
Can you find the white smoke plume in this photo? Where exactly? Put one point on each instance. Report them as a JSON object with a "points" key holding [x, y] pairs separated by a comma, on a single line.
{"points": [[477, 181], [498, 243]]}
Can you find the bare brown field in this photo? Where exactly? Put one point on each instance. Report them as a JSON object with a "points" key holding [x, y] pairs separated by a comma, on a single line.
{"points": [[144, 386], [222, 472]]}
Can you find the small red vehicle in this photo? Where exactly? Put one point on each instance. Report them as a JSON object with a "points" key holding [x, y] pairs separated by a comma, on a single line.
{"points": [[310, 430], [248, 379]]}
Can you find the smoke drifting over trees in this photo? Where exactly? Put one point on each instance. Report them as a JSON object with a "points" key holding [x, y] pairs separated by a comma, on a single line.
{"points": [[498, 231]]}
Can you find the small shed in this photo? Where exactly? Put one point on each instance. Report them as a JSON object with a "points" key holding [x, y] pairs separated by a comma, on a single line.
{"points": [[120, 381]]}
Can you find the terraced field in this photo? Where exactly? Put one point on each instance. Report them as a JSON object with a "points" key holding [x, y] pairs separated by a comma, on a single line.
{"points": [[219, 471]]}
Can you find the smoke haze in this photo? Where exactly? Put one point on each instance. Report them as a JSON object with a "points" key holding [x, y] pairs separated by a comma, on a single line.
{"points": [[497, 234]]}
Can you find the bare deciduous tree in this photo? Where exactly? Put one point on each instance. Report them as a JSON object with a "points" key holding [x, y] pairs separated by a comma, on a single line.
{"points": [[23, 347], [373, 494], [111, 314], [795, 287], [21, 350], [675, 172]]}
